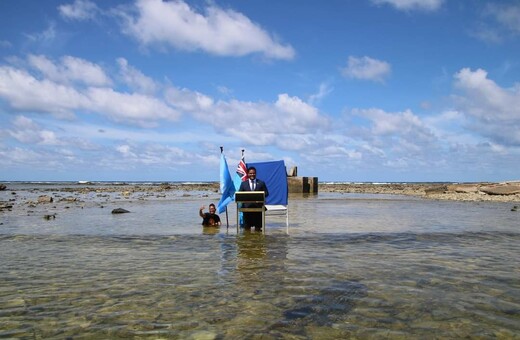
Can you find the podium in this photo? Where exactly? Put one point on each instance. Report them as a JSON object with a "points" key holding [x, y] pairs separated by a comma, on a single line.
{"points": [[250, 202]]}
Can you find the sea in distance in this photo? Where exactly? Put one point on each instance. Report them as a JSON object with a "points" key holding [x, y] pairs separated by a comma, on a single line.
{"points": [[362, 266]]}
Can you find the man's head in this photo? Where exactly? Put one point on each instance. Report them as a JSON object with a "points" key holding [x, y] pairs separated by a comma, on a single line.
{"points": [[251, 173], [212, 208]]}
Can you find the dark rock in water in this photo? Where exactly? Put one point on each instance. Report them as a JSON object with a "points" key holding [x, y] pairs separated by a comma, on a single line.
{"points": [[328, 304], [5, 205], [49, 217], [2, 187], [45, 199], [120, 211]]}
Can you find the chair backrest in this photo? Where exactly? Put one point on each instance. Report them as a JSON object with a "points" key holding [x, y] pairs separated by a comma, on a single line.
{"points": [[274, 175]]}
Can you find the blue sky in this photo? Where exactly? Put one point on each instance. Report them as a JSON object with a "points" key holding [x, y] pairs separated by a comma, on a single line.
{"points": [[350, 90]]}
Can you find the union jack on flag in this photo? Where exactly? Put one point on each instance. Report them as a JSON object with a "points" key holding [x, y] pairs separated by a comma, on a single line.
{"points": [[242, 169]]}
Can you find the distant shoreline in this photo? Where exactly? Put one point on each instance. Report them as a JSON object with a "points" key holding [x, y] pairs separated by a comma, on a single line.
{"points": [[475, 192], [485, 191]]}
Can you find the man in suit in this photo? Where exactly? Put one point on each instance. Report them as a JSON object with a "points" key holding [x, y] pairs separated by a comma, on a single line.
{"points": [[253, 219]]}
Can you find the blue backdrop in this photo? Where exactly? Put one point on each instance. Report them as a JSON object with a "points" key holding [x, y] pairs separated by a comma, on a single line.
{"points": [[274, 175]]}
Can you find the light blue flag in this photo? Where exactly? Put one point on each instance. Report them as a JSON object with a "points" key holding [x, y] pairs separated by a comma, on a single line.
{"points": [[240, 175], [227, 188]]}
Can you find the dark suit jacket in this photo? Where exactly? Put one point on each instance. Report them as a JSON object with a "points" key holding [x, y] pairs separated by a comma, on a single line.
{"points": [[260, 186]]}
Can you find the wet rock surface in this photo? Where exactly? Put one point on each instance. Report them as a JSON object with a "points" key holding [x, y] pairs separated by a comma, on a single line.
{"points": [[498, 192], [120, 211], [52, 199]]}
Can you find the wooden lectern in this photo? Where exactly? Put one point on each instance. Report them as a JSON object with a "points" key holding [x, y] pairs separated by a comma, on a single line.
{"points": [[250, 201]]}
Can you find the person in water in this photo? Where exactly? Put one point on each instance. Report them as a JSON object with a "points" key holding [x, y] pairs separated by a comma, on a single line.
{"points": [[253, 219], [209, 218]]}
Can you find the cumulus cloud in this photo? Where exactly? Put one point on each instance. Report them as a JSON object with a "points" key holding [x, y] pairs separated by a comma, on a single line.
{"points": [[495, 111], [187, 100], [426, 5], [258, 123], [25, 92], [404, 125], [135, 79], [366, 68], [263, 123], [70, 69], [156, 155], [132, 108], [79, 10], [26, 131], [54, 92], [216, 30], [28, 157], [393, 139]]}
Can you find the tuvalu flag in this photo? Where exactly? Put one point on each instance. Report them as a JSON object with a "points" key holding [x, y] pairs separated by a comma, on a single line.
{"points": [[227, 187]]}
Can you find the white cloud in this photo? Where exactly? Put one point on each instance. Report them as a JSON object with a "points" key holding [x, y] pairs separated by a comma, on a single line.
{"points": [[27, 157], [156, 155], [55, 95], [24, 92], [217, 31], [135, 79], [324, 90], [495, 111], [366, 68], [264, 123], [499, 22], [187, 100], [508, 16], [26, 131], [426, 5], [403, 124], [70, 69], [79, 10], [134, 108], [43, 38], [258, 123], [487, 34], [125, 150]]}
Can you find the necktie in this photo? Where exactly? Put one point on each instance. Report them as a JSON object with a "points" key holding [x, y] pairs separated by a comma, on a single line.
{"points": [[253, 185]]}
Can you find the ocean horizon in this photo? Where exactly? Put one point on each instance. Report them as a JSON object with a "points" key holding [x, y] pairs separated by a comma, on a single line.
{"points": [[122, 182]]}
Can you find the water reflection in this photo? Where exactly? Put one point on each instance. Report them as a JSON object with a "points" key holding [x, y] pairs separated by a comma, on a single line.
{"points": [[251, 261], [206, 230]]}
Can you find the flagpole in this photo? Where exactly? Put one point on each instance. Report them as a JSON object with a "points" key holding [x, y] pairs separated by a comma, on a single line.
{"points": [[227, 218]]}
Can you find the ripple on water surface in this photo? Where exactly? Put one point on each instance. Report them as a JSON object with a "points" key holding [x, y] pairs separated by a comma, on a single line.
{"points": [[390, 285]]}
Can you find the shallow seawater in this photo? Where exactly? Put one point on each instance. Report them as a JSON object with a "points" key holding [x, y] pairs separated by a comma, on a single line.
{"points": [[351, 266]]}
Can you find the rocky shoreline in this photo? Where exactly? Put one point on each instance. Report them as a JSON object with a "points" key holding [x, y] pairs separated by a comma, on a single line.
{"points": [[80, 194], [494, 192]]}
